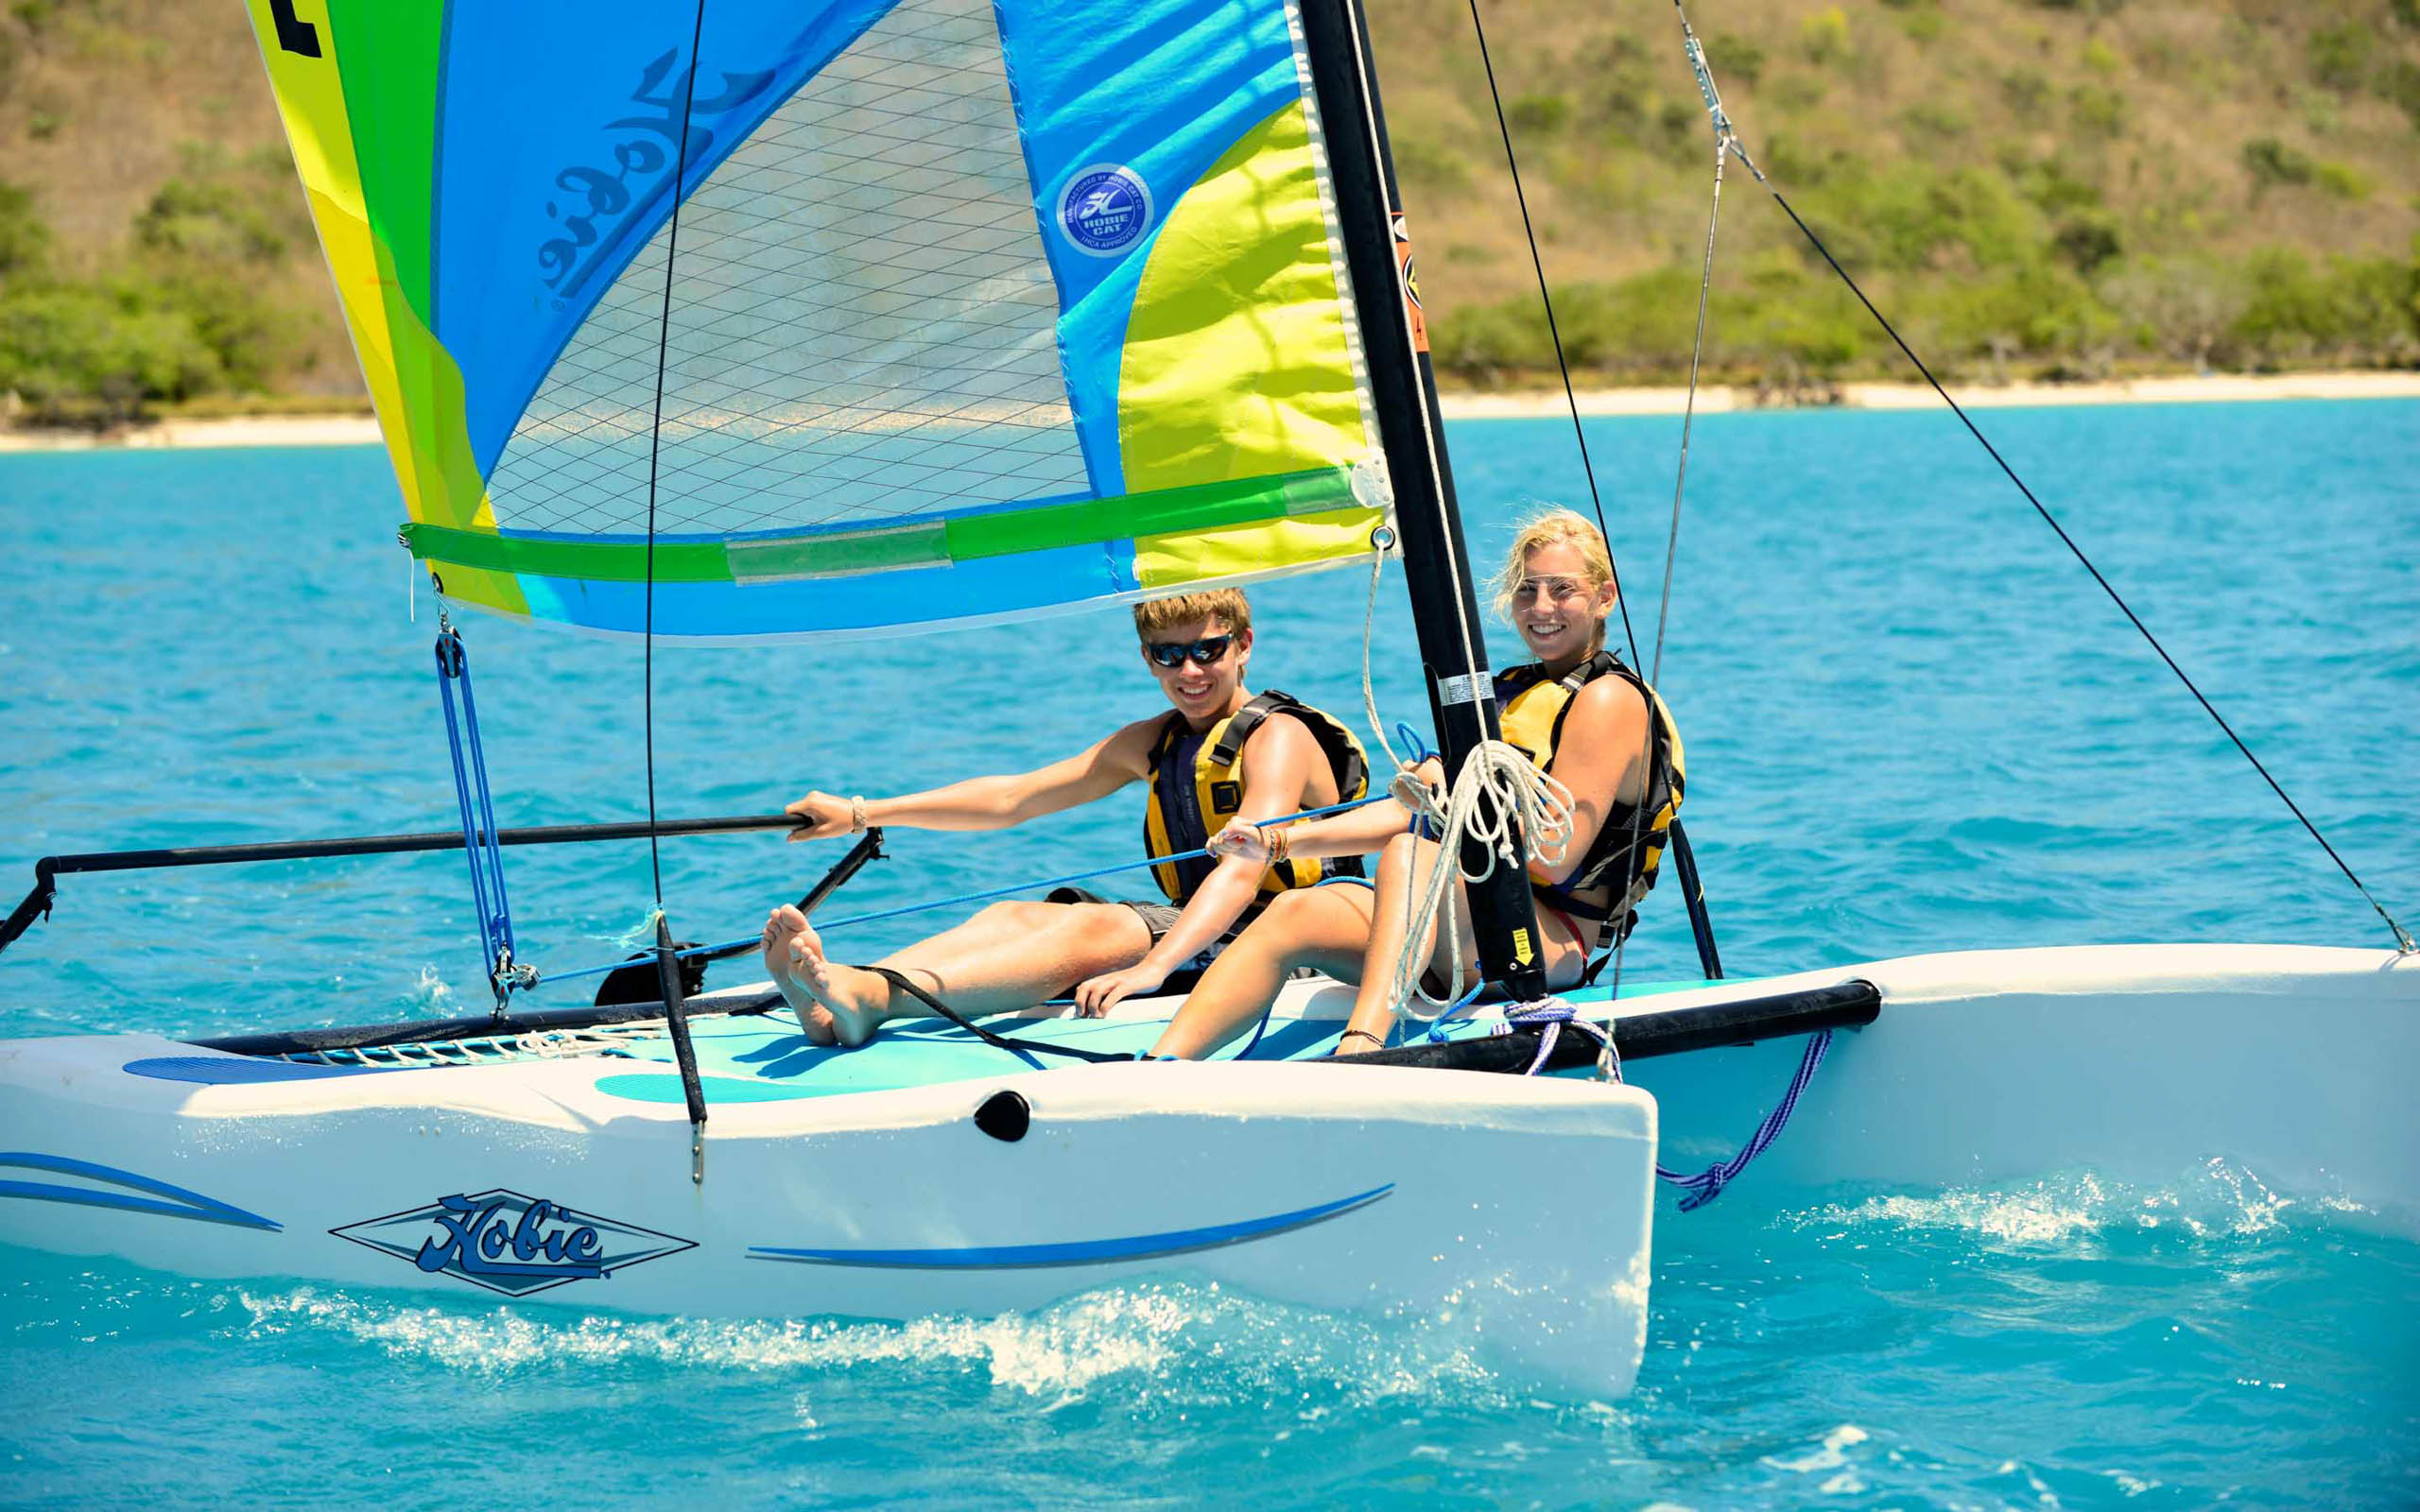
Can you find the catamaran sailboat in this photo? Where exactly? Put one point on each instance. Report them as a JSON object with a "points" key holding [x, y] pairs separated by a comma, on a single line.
{"points": [[727, 323]]}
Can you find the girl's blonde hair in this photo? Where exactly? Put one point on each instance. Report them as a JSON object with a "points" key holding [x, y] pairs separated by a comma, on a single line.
{"points": [[1552, 528]]}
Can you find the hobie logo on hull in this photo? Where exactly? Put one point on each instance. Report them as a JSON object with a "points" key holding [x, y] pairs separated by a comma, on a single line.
{"points": [[511, 1244]]}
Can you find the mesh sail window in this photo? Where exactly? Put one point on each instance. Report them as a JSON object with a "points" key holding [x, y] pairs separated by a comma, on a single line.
{"points": [[968, 311]]}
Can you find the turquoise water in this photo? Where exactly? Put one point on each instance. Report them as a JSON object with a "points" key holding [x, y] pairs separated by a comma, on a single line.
{"points": [[1913, 724]]}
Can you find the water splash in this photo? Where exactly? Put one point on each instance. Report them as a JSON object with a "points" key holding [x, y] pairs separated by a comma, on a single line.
{"points": [[2218, 1199], [431, 997], [1177, 1340]]}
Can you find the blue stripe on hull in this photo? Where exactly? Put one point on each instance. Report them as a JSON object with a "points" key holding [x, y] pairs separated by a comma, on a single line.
{"points": [[1078, 1252], [180, 1204]]}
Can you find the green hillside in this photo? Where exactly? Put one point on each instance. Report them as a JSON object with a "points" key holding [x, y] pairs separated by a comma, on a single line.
{"points": [[2038, 187]]}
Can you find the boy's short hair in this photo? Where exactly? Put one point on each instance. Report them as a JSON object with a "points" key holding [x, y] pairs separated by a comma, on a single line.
{"points": [[1158, 616]]}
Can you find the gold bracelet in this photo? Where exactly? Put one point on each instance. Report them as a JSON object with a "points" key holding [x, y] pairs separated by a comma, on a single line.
{"points": [[1281, 844], [857, 815]]}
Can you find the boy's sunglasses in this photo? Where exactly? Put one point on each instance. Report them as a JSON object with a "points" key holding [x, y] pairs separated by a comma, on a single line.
{"points": [[1173, 653]]}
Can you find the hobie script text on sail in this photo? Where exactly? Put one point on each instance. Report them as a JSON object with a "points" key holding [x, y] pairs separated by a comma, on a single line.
{"points": [[969, 311]]}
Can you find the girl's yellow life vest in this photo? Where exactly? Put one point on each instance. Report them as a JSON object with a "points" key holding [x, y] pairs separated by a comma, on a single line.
{"points": [[1530, 709], [1195, 789]]}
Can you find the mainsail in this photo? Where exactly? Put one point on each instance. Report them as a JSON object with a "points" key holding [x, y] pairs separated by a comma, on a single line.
{"points": [[970, 311]]}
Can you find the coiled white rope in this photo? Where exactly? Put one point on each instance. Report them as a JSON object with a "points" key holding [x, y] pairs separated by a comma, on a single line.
{"points": [[1500, 794]]}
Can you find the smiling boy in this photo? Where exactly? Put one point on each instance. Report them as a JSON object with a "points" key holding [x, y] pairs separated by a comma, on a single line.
{"points": [[1220, 754]]}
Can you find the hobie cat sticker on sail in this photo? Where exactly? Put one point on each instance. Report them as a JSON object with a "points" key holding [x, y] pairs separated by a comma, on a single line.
{"points": [[969, 313], [1105, 209]]}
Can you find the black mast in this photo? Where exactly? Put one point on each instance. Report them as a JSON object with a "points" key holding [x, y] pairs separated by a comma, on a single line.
{"points": [[1436, 561]]}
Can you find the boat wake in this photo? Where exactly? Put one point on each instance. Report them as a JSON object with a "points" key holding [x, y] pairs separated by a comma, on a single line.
{"points": [[2216, 1200], [1177, 1342]]}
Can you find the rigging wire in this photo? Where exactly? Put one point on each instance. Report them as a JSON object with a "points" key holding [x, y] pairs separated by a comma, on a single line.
{"points": [[655, 446], [1728, 137], [1553, 333], [1722, 149], [1673, 540]]}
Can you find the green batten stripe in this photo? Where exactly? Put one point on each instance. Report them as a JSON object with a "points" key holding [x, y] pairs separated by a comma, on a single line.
{"points": [[838, 556], [676, 562], [1169, 511], [1090, 522]]}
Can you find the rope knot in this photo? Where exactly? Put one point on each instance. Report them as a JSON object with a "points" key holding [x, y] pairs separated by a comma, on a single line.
{"points": [[1708, 1186]]}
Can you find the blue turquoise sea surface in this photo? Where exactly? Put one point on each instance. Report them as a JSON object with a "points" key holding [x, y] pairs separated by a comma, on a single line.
{"points": [[1913, 724]]}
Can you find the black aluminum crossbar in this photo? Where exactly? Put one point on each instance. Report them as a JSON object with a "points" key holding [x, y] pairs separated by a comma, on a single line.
{"points": [[1672, 1032], [37, 903]]}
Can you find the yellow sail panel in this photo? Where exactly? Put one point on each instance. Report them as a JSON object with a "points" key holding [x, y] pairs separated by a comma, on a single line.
{"points": [[1237, 359], [1225, 554]]}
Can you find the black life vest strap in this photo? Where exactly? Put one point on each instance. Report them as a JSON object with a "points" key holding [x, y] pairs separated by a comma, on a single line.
{"points": [[1239, 729], [1514, 680], [1555, 896]]}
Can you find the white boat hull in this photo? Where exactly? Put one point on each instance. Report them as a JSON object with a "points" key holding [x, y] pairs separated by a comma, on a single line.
{"points": [[858, 1183], [2139, 1063], [1423, 1192]]}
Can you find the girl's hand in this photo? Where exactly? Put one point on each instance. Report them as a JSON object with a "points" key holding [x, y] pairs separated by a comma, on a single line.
{"points": [[1099, 994], [1421, 789], [1240, 839]]}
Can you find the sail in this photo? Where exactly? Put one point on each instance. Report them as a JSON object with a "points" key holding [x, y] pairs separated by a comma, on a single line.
{"points": [[837, 317]]}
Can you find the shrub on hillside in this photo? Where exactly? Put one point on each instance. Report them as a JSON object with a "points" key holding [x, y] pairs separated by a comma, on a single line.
{"points": [[202, 245], [2351, 307], [2180, 307], [2272, 162], [25, 239], [2034, 309], [214, 218], [1641, 326], [63, 343], [1539, 114], [1483, 342], [2340, 55], [2399, 81], [2088, 241]]}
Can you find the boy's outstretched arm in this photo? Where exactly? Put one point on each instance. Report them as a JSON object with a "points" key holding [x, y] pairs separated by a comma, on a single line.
{"points": [[990, 802]]}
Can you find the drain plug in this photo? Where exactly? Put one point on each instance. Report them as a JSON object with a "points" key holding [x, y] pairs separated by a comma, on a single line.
{"points": [[1004, 1116]]}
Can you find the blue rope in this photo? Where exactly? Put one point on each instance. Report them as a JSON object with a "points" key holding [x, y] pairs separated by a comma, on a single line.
{"points": [[1437, 1034], [1245, 1054], [984, 896], [472, 795], [1707, 1184], [1704, 1186]]}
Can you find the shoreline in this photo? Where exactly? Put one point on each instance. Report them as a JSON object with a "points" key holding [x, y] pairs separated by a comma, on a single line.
{"points": [[361, 430], [1712, 398]]}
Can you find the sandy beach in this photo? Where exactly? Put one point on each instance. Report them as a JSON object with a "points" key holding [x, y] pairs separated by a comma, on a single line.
{"points": [[2215, 388], [360, 430], [240, 430]]}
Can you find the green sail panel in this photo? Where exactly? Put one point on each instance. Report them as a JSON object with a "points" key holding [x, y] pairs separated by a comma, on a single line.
{"points": [[970, 311]]}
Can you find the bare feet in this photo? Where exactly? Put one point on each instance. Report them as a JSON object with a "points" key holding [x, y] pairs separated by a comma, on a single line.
{"points": [[835, 1004], [814, 1019]]}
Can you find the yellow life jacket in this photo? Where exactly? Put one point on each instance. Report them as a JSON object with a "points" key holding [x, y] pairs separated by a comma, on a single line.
{"points": [[1195, 789], [1531, 707]]}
